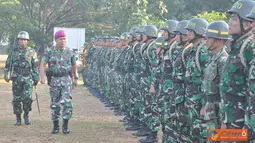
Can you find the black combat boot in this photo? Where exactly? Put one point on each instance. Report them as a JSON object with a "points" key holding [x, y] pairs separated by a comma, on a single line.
{"points": [[142, 132], [65, 127], [26, 118], [133, 126], [18, 119], [151, 138], [55, 129]]}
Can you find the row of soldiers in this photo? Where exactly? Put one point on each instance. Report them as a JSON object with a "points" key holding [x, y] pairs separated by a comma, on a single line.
{"points": [[194, 77]]}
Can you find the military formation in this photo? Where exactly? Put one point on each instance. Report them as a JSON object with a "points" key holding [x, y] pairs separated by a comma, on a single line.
{"points": [[184, 77]]}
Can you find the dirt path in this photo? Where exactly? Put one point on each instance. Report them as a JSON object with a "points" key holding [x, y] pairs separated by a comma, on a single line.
{"points": [[91, 122]]}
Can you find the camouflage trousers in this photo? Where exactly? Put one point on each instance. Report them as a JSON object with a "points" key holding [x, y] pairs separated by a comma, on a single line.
{"points": [[167, 115], [151, 112], [250, 118], [137, 104], [22, 93], [147, 101], [127, 94], [61, 102], [198, 130]]}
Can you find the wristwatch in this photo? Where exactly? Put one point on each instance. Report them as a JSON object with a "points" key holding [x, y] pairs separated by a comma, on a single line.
{"points": [[76, 78]]}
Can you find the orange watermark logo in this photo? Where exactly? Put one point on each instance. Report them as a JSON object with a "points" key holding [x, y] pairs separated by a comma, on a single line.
{"points": [[228, 135]]}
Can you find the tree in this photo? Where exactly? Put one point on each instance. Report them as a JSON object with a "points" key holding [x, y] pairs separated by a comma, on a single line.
{"points": [[213, 16]]}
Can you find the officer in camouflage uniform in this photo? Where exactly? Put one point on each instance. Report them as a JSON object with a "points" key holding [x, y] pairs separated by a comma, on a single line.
{"points": [[22, 68], [197, 60], [217, 35], [63, 71], [250, 110], [238, 65]]}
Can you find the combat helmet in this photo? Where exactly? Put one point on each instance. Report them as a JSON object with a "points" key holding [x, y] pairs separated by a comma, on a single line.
{"points": [[150, 30], [160, 41], [124, 36], [251, 15], [170, 26], [242, 8], [217, 29], [134, 30], [180, 27], [23, 35], [198, 25]]}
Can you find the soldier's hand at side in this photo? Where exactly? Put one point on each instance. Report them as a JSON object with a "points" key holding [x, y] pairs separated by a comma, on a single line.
{"points": [[74, 83], [152, 89], [6, 78], [223, 126], [202, 112]]}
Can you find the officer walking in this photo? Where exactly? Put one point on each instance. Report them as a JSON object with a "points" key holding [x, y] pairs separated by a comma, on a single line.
{"points": [[63, 71], [22, 68]]}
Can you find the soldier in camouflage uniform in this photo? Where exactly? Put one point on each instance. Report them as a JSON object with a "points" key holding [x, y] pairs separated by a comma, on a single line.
{"points": [[164, 96], [197, 60], [179, 69], [217, 35], [149, 34], [136, 100], [129, 68], [122, 71], [250, 110], [63, 71], [22, 68], [236, 73]]}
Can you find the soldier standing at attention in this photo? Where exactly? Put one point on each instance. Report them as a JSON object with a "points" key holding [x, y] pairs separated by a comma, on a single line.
{"points": [[217, 36], [236, 72], [63, 71], [197, 59], [250, 110], [22, 68]]}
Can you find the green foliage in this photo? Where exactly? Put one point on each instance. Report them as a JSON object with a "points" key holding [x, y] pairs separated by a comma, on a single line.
{"points": [[213, 16], [99, 17]]}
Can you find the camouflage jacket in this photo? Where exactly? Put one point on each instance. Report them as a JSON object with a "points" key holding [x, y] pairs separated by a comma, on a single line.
{"points": [[22, 64], [234, 86], [167, 68], [179, 74], [212, 75], [197, 60], [60, 65]]}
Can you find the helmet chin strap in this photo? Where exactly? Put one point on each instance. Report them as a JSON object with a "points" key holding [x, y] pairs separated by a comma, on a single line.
{"points": [[243, 31], [195, 38], [181, 40]]}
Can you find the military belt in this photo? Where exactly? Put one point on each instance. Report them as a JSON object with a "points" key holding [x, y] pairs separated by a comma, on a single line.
{"points": [[62, 74], [22, 71], [213, 98]]}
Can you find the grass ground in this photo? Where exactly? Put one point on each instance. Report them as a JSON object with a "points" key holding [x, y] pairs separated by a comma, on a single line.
{"points": [[91, 122]]}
